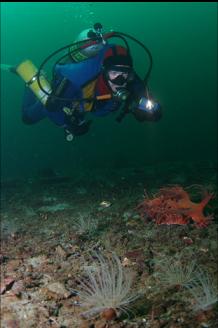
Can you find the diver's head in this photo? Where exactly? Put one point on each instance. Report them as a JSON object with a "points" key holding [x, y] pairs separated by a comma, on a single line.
{"points": [[118, 68]]}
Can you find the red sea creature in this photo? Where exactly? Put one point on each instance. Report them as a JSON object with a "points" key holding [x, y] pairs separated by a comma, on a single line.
{"points": [[172, 205]]}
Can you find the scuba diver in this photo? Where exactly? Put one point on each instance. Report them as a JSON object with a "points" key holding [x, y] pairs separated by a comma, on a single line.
{"points": [[94, 77]]}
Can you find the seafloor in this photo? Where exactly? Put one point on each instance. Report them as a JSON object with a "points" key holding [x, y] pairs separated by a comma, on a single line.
{"points": [[52, 225]]}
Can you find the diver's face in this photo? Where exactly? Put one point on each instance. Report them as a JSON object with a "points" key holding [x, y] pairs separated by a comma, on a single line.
{"points": [[114, 74], [117, 78]]}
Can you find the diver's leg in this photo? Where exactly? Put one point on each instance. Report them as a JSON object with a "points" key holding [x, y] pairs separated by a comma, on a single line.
{"points": [[33, 110]]}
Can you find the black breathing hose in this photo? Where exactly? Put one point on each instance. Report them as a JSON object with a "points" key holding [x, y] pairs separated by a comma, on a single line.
{"points": [[114, 34]]}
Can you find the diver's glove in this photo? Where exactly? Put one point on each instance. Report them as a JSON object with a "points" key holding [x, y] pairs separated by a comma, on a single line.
{"points": [[82, 128], [77, 130]]}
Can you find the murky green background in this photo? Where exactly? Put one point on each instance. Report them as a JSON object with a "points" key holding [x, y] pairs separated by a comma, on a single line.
{"points": [[183, 40]]}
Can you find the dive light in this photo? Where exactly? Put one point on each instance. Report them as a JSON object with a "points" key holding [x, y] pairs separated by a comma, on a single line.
{"points": [[147, 105]]}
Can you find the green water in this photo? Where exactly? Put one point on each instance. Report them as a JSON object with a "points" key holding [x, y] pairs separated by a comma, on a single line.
{"points": [[183, 40]]}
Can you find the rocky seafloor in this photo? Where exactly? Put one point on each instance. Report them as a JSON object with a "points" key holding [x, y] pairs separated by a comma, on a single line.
{"points": [[52, 225]]}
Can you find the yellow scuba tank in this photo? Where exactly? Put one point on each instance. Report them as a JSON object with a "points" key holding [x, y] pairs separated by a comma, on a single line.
{"points": [[28, 72]]}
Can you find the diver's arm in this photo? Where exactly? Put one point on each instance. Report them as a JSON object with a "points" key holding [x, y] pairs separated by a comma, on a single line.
{"points": [[139, 98], [137, 87], [56, 101], [63, 90]]}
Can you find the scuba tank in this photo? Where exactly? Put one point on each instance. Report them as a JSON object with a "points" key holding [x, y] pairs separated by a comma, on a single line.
{"points": [[78, 53], [28, 72]]}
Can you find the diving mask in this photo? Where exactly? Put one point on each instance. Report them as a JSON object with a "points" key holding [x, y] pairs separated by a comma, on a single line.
{"points": [[119, 75]]}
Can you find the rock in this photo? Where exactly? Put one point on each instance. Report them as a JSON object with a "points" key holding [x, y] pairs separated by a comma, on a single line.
{"points": [[17, 313], [101, 323], [61, 252], [37, 261], [13, 265], [10, 323], [18, 287], [55, 291], [6, 284]]}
